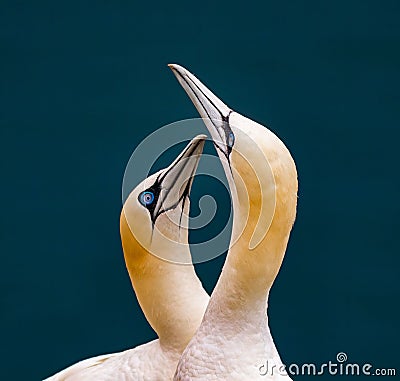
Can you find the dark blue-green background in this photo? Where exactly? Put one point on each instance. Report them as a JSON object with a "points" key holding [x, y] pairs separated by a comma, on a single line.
{"points": [[82, 83]]}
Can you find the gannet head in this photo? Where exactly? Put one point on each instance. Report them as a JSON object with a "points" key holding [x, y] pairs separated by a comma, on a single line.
{"points": [[259, 168], [155, 215], [154, 237]]}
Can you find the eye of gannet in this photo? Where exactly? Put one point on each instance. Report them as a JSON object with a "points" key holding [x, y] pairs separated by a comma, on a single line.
{"points": [[146, 198], [231, 139]]}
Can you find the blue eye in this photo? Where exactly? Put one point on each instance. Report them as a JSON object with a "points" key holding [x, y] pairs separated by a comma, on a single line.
{"points": [[231, 139], [146, 198]]}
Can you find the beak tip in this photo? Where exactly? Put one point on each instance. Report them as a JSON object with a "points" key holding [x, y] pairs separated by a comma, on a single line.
{"points": [[201, 137], [200, 140], [177, 69]]}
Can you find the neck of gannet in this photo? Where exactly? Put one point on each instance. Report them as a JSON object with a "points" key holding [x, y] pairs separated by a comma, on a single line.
{"points": [[170, 294], [242, 291]]}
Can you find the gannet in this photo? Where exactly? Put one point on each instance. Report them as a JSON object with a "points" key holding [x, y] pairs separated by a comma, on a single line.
{"points": [[233, 341], [153, 228]]}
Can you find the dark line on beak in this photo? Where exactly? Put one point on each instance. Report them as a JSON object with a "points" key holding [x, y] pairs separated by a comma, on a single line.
{"points": [[225, 119], [161, 177], [159, 180], [186, 80]]}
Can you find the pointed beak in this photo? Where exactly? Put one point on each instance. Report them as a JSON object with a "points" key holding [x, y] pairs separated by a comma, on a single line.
{"points": [[214, 112], [175, 181]]}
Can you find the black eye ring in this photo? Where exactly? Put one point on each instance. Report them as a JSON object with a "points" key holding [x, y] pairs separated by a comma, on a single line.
{"points": [[146, 198]]}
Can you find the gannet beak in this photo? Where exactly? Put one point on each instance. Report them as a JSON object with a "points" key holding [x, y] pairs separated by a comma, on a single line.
{"points": [[214, 112], [173, 183]]}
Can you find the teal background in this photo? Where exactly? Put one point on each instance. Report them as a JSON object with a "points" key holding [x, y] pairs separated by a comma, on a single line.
{"points": [[82, 83]]}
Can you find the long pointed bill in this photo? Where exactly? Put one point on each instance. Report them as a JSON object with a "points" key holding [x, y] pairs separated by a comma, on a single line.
{"points": [[214, 112], [174, 182]]}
